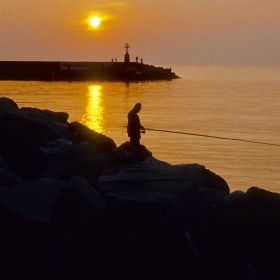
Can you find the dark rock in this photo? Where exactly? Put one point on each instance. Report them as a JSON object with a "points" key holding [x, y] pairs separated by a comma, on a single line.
{"points": [[7, 176], [128, 153], [23, 158], [229, 201], [26, 247], [258, 215], [148, 183], [261, 206], [56, 147], [89, 238], [60, 117], [214, 181], [92, 237], [7, 105], [21, 138], [35, 199], [31, 130], [211, 196], [98, 140], [65, 161], [29, 243]]}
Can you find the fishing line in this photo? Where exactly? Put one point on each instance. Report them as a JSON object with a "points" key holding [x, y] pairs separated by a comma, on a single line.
{"points": [[34, 102], [211, 136]]}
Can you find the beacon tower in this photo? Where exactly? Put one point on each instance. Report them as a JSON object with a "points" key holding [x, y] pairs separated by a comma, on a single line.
{"points": [[126, 56]]}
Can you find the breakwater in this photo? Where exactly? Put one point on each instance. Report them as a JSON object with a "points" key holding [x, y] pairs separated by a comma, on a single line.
{"points": [[82, 71], [74, 205]]}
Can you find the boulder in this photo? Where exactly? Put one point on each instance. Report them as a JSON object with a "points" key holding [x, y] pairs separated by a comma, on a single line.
{"points": [[214, 181], [66, 160], [7, 176], [256, 215], [56, 120], [89, 238], [95, 238], [47, 115], [28, 129], [160, 181], [21, 138], [141, 188], [128, 153], [29, 241], [34, 200], [229, 201], [145, 183], [98, 140], [23, 158], [56, 147], [7, 105], [211, 196]]}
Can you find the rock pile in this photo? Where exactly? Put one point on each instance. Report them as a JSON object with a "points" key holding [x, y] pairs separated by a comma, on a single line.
{"points": [[73, 205]]}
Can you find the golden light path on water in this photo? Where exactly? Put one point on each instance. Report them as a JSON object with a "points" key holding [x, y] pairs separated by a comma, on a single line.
{"points": [[94, 115]]}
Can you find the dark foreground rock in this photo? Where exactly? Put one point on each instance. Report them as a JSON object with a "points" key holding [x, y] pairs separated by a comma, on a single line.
{"points": [[75, 206]]}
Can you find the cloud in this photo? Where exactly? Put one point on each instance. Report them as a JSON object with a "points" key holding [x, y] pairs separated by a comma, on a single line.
{"points": [[121, 6], [115, 6]]}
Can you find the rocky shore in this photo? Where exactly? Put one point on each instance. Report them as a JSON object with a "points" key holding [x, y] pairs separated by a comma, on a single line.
{"points": [[73, 205]]}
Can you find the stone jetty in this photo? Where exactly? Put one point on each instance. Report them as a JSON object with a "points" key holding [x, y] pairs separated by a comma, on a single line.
{"points": [[83, 71], [73, 205]]}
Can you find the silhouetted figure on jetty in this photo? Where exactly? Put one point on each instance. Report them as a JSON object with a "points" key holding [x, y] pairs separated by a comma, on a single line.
{"points": [[134, 126]]}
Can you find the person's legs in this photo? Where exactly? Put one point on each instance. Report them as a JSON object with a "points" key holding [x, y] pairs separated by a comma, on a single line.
{"points": [[135, 139]]}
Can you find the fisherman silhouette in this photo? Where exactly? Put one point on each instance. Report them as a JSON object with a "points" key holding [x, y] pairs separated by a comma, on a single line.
{"points": [[134, 126]]}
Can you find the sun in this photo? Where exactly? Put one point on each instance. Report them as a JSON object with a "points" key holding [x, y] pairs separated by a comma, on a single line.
{"points": [[94, 21]]}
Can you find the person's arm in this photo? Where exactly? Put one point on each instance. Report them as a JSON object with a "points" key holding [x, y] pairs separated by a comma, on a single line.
{"points": [[143, 129]]}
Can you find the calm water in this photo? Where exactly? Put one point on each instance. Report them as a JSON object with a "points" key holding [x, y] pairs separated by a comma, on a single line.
{"points": [[235, 102]]}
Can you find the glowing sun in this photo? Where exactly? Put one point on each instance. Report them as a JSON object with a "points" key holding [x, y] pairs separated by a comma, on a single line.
{"points": [[94, 21]]}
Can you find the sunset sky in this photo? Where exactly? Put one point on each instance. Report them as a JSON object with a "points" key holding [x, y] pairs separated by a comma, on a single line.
{"points": [[167, 32]]}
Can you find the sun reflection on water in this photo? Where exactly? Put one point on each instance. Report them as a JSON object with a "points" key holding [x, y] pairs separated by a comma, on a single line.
{"points": [[93, 118]]}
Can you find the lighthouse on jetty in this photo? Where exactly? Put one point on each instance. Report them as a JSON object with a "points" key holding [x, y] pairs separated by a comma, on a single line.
{"points": [[126, 56]]}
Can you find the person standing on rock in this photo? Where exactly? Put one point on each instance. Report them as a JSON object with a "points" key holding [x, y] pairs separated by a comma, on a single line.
{"points": [[134, 126]]}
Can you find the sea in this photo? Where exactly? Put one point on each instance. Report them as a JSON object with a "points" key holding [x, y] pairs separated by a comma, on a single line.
{"points": [[233, 102]]}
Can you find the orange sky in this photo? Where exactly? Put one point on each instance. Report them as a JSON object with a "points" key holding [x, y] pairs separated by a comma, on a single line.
{"points": [[166, 32]]}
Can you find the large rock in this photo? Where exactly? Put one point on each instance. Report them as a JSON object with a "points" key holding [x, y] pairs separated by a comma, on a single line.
{"points": [[60, 117], [214, 181], [160, 181], [57, 146], [34, 200], [94, 238], [148, 183], [128, 153], [7, 105], [260, 206], [98, 140], [21, 138], [23, 158], [7, 176], [258, 216], [28, 129], [66, 160], [89, 238]]}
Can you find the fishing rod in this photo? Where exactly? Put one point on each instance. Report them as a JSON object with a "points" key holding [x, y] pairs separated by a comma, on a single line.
{"points": [[211, 136]]}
